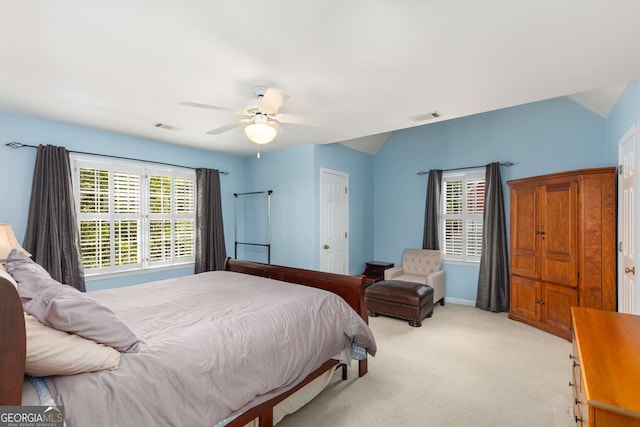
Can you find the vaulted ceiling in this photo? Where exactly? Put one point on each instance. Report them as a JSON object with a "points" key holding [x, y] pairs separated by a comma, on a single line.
{"points": [[361, 68]]}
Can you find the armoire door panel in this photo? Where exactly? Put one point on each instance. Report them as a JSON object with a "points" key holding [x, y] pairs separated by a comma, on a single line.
{"points": [[525, 263], [525, 297], [525, 259], [558, 268], [558, 234], [556, 306]]}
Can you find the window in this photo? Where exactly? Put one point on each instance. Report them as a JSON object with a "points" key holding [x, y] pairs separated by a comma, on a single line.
{"points": [[462, 209], [133, 216]]}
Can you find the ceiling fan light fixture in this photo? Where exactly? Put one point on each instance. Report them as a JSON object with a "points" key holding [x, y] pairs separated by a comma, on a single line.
{"points": [[260, 133]]}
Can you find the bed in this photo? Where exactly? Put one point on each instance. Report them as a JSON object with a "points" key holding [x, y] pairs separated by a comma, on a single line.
{"points": [[274, 363]]}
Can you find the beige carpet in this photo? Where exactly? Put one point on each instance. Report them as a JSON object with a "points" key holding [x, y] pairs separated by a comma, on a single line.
{"points": [[463, 367]]}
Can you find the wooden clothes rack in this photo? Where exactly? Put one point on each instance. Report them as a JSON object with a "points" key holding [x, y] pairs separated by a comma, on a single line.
{"points": [[235, 230]]}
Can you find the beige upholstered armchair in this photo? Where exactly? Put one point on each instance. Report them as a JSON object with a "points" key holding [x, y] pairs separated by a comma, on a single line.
{"points": [[421, 266]]}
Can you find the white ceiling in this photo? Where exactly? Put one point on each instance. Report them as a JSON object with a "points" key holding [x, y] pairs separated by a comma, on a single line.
{"points": [[366, 66]]}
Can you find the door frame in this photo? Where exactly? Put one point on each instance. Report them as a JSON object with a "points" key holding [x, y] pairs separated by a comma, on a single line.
{"points": [[631, 136], [345, 175]]}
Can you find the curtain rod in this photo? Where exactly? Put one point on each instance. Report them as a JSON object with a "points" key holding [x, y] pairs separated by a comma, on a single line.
{"points": [[467, 167], [17, 145]]}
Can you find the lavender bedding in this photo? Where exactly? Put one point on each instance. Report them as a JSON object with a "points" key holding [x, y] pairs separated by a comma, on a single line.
{"points": [[213, 345]]}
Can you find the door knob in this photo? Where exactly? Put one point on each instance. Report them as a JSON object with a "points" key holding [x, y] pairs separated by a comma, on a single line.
{"points": [[326, 246], [631, 270]]}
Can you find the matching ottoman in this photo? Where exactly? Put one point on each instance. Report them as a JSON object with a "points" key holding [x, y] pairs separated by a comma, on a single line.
{"points": [[404, 300]]}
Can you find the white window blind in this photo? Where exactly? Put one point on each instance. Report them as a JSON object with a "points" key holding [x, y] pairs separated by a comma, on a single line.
{"points": [[133, 216], [185, 215], [461, 215]]}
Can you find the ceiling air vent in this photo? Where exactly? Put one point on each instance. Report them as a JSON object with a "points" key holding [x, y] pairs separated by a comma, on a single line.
{"points": [[165, 126], [426, 116]]}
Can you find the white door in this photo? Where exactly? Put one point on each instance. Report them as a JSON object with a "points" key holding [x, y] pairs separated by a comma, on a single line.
{"points": [[334, 234], [628, 295]]}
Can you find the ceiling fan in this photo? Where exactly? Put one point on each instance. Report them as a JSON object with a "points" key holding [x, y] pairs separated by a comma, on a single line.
{"points": [[262, 117]]}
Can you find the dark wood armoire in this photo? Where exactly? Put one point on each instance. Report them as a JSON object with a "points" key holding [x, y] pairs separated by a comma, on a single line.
{"points": [[563, 246]]}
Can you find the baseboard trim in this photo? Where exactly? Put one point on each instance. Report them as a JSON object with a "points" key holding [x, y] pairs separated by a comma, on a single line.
{"points": [[460, 301]]}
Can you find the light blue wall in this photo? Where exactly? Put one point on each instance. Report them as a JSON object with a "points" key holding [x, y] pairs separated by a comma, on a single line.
{"points": [[359, 167], [294, 176], [542, 137], [16, 171], [387, 197], [290, 174]]}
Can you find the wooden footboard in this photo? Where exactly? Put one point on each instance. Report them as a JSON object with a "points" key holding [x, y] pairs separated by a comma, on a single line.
{"points": [[13, 344], [350, 288], [264, 411]]}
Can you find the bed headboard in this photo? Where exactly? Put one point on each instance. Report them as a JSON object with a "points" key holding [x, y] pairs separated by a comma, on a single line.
{"points": [[13, 344]]}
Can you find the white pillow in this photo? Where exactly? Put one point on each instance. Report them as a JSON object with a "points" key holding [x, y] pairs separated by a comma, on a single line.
{"points": [[65, 308], [53, 352]]}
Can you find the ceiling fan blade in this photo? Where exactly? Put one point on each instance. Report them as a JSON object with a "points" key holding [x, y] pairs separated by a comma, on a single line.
{"points": [[272, 101], [229, 127], [296, 119], [211, 107], [276, 126]]}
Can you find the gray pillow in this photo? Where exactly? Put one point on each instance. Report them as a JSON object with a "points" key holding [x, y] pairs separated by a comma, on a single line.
{"points": [[67, 309]]}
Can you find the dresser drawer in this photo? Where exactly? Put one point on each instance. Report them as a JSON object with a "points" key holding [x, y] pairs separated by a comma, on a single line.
{"points": [[580, 410]]}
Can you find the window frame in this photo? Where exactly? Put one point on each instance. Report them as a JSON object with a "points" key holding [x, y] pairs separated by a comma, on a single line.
{"points": [[466, 218], [145, 171]]}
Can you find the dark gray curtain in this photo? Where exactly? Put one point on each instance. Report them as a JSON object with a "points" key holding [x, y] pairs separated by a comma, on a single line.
{"points": [[431, 235], [210, 247], [52, 234], [493, 281]]}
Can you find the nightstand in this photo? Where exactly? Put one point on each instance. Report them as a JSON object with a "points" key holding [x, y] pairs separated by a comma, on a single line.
{"points": [[374, 271]]}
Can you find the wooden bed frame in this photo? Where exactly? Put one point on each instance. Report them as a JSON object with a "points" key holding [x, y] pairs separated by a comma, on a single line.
{"points": [[13, 338]]}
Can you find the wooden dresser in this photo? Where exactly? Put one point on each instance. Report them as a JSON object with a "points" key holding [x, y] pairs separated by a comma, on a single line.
{"points": [[563, 246], [606, 368]]}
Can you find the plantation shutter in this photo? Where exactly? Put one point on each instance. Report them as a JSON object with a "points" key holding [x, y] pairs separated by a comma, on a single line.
{"points": [[171, 218], [453, 231], [132, 217], [93, 216], [159, 218], [462, 210], [185, 223], [127, 218], [475, 208]]}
